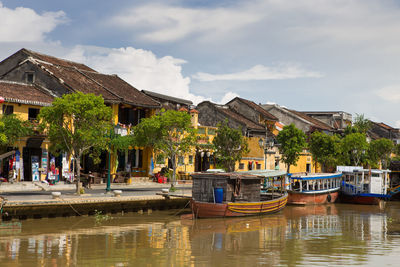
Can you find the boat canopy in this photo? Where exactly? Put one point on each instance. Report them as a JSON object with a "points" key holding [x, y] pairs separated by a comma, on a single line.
{"points": [[264, 173], [317, 176]]}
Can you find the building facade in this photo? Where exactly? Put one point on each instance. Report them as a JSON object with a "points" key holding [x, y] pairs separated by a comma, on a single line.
{"points": [[22, 160], [57, 77]]}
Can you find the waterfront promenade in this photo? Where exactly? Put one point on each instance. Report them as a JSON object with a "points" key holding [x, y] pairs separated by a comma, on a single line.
{"points": [[35, 200]]}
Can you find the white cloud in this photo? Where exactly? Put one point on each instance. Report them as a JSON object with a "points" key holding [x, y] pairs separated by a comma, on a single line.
{"points": [[141, 68], [365, 22], [163, 23], [228, 97], [25, 25], [260, 72], [390, 93]]}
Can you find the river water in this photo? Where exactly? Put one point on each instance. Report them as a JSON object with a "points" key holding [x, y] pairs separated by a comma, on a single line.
{"points": [[334, 235]]}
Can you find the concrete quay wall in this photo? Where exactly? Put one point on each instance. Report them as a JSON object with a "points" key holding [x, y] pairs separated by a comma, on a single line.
{"points": [[87, 206]]}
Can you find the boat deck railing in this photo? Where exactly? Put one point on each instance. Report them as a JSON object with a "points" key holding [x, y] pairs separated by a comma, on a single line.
{"points": [[351, 189]]}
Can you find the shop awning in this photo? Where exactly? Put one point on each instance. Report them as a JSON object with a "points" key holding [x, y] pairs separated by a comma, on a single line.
{"points": [[6, 155]]}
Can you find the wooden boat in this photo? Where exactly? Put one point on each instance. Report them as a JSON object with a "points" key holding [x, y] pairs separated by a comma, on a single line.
{"points": [[321, 188], [216, 195], [363, 186]]}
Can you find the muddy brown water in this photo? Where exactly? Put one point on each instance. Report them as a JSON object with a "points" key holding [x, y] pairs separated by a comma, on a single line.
{"points": [[334, 235]]}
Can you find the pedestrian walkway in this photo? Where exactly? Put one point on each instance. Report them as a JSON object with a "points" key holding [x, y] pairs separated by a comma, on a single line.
{"points": [[30, 200], [39, 186]]}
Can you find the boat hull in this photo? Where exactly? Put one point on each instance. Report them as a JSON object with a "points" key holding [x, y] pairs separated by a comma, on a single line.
{"points": [[357, 199], [300, 198], [237, 209]]}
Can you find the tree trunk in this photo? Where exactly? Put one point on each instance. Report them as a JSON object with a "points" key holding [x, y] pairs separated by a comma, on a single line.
{"points": [[173, 161], [78, 174], [288, 168], [231, 167]]}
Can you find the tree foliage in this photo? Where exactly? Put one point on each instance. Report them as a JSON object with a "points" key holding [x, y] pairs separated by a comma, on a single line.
{"points": [[76, 123], [354, 148], [380, 150], [326, 149], [229, 145], [361, 124], [12, 128], [292, 142], [3, 136], [170, 133]]}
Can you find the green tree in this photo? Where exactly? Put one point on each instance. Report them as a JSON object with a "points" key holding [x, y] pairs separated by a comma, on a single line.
{"points": [[12, 128], [354, 149], [3, 136], [170, 133], [361, 124], [229, 145], [380, 150], [325, 149], [396, 151], [292, 142], [76, 123]]}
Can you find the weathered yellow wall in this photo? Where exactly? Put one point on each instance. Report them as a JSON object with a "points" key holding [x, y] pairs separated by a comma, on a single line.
{"points": [[301, 166], [254, 148], [21, 110], [194, 119], [114, 108]]}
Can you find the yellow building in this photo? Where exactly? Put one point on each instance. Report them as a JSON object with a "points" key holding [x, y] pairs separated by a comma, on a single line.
{"points": [[56, 77], [29, 155]]}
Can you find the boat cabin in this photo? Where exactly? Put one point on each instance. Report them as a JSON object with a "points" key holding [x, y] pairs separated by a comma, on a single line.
{"points": [[318, 182], [252, 186], [357, 180]]}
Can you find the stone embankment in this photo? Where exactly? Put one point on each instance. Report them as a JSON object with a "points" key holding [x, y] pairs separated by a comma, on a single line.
{"points": [[57, 202]]}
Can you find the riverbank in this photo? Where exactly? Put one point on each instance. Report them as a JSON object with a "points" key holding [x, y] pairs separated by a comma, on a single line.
{"points": [[27, 203], [39, 186]]}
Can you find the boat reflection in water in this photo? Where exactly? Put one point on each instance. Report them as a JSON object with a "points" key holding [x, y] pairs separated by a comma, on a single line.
{"points": [[315, 235]]}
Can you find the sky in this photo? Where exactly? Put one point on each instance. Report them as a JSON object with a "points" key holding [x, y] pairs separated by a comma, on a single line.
{"points": [[307, 55]]}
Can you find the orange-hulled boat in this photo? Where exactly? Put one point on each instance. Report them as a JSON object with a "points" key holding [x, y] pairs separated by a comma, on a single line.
{"points": [[321, 188], [216, 195]]}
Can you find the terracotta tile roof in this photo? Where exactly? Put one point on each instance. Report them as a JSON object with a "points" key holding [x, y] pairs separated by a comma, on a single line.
{"points": [[259, 109], [56, 61], [74, 79], [385, 126], [235, 116], [123, 89], [373, 136], [110, 87], [24, 94], [316, 123], [79, 77], [168, 98]]}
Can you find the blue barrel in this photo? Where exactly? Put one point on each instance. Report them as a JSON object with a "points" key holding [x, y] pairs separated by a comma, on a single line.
{"points": [[218, 194]]}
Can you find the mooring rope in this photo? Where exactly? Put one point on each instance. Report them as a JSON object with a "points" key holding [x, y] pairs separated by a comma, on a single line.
{"points": [[71, 206], [180, 209]]}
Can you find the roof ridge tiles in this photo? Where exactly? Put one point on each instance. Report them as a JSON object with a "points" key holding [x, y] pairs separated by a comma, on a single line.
{"points": [[256, 107], [33, 53], [13, 82], [241, 117], [99, 84]]}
